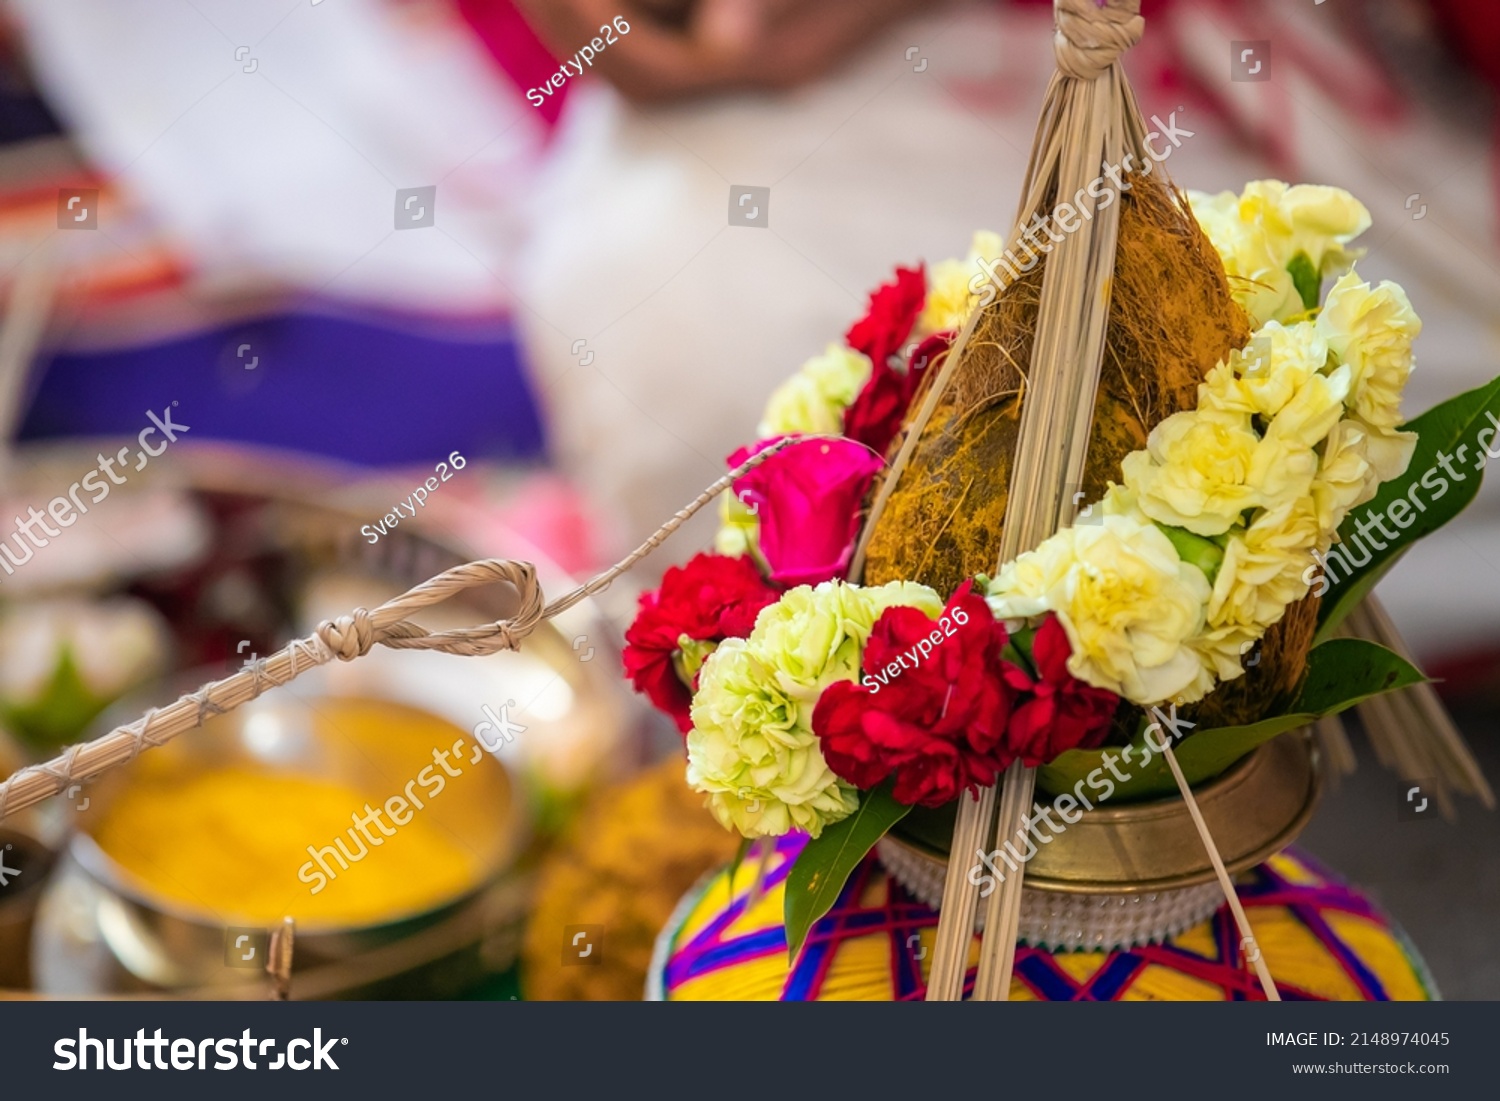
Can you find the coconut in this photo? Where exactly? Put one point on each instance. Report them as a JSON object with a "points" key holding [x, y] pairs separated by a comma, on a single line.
{"points": [[1171, 319]]}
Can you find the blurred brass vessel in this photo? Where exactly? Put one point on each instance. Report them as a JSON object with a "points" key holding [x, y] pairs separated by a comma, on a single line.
{"points": [[26, 862], [170, 945]]}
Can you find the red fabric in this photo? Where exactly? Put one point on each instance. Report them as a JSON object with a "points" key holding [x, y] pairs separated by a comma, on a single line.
{"points": [[1472, 28], [516, 49]]}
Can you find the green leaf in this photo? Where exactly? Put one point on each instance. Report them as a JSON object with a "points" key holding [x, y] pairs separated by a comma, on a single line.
{"points": [[825, 864], [1441, 430], [739, 858], [1340, 674], [1306, 279], [60, 712]]}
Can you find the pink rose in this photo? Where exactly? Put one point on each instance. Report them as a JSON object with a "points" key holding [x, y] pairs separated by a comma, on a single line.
{"points": [[807, 500]]}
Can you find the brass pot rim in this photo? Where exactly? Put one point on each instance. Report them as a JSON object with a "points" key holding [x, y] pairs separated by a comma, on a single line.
{"points": [[1281, 780]]}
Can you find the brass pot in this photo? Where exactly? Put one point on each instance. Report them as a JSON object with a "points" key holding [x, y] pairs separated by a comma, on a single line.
{"points": [[1253, 810]]}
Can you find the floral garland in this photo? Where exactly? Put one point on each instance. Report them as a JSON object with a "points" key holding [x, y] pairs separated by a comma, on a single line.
{"points": [[798, 691]]}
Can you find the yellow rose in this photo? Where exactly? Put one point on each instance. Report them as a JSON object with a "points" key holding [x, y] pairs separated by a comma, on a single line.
{"points": [[1389, 453], [1222, 651], [1345, 477], [949, 299], [1120, 501], [1278, 361], [739, 530], [1262, 569], [1258, 279], [1223, 391], [1195, 471], [1260, 232], [810, 638], [1309, 218], [814, 399], [1372, 332], [1218, 214], [1313, 410], [1282, 471], [1126, 600], [748, 752]]}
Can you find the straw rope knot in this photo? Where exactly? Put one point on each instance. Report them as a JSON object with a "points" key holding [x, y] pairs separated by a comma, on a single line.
{"points": [[1092, 34], [353, 635], [349, 636]]}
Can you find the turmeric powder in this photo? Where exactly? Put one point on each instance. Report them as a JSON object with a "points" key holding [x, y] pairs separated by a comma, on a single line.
{"points": [[228, 843]]}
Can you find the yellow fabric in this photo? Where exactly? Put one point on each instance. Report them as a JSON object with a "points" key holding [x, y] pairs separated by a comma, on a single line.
{"points": [[861, 969]]}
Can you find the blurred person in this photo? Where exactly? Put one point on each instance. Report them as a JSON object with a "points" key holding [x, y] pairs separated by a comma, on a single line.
{"points": [[689, 47]]}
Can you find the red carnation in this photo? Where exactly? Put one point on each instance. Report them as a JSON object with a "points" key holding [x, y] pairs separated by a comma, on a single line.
{"points": [[877, 413], [1059, 712], [710, 599], [931, 709], [894, 308]]}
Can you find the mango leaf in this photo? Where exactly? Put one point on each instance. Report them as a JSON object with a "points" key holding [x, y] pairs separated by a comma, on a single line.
{"points": [[825, 864], [1455, 423], [1340, 674]]}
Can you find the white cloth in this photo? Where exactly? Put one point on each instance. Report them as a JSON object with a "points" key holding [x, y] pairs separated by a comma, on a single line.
{"points": [[287, 173]]}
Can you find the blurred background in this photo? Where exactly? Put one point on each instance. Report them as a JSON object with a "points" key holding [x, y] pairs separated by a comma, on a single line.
{"points": [[355, 247]]}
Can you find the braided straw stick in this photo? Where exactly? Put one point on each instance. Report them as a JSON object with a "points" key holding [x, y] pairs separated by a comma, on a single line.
{"points": [[346, 638], [1248, 944], [1089, 120]]}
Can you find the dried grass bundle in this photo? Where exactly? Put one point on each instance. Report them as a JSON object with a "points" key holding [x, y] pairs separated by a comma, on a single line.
{"points": [[1171, 319]]}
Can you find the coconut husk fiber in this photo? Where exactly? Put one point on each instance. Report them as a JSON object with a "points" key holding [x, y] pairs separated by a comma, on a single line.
{"points": [[1171, 319]]}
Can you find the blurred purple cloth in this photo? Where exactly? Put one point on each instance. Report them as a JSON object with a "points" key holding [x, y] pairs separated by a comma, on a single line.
{"points": [[374, 390]]}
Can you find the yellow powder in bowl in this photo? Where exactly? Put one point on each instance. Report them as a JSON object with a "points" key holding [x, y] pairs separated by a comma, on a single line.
{"points": [[233, 845]]}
